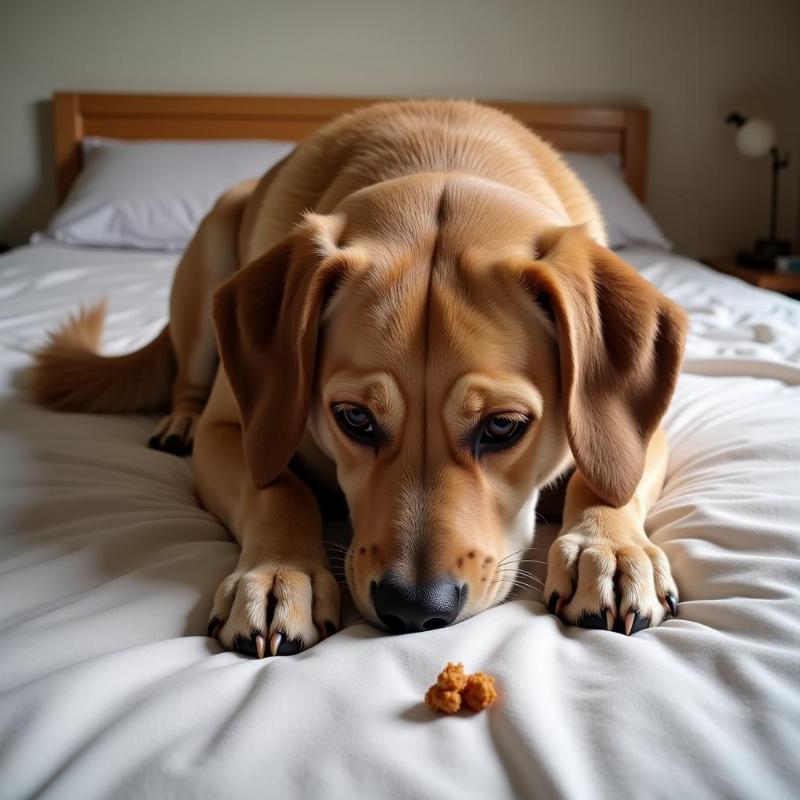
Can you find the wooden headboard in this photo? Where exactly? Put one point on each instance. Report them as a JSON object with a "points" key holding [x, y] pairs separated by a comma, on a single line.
{"points": [[583, 128]]}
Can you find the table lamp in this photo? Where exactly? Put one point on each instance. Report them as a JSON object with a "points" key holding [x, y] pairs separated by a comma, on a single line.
{"points": [[755, 138]]}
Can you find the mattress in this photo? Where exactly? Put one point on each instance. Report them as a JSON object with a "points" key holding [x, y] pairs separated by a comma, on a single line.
{"points": [[109, 685]]}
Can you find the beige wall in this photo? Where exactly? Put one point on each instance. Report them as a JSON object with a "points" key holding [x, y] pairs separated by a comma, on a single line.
{"points": [[690, 61]]}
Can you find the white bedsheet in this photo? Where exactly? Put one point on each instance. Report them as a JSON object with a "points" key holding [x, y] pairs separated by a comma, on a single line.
{"points": [[108, 685]]}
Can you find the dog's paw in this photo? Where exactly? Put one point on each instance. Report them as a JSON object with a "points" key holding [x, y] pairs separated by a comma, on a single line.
{"points": [[175, 434], [622, 583], [275, 608]]}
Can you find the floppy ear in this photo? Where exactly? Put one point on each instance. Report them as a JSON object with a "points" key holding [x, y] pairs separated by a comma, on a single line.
{"points": [[267, 320], [620, 348]]}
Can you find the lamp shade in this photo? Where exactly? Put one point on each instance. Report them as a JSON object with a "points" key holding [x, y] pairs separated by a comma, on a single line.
{"points": [[755, 138]]}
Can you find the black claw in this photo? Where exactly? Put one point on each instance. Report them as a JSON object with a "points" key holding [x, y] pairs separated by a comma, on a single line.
{"points": [[551, 605], [174, 444], [596, 621], [246, 645], [154, 442], [330, 628], [214, 624], [672, 602], [639, 623], [289, 647]]}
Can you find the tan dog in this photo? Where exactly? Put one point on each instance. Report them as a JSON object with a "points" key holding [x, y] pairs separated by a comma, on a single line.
{"points": [[444, 335]]}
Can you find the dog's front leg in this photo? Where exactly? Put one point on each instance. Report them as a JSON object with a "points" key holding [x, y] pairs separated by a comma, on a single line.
{"points": [[281, 598], [602, 570]]}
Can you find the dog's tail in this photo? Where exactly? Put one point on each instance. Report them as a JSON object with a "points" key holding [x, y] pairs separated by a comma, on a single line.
{"points": [[69, 375]]}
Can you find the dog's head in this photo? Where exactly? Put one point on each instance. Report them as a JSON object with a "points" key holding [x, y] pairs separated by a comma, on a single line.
{"points": [[451, 351]]}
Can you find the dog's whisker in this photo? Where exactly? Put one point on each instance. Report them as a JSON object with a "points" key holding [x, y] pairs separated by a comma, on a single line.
{"points": [[512, 594], [512, 569], [510, 556], [331, 543], [523, 579], [522, 572], [517, 584], [529, 578], [515, 565], [522, 551], [510, 560], [525, 587], [526, 578]]}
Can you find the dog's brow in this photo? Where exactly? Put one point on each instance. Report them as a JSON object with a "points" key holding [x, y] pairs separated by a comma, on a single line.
{"points": [[378, 390], [474, 394], [378, 396]]}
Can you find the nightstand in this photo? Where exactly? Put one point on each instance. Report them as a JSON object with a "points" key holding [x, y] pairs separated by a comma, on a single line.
{"points": [[786, 283]]}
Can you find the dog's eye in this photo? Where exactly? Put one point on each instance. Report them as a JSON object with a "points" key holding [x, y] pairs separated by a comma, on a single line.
{"points": [[357, 423], [500, 431], [499, 428]]}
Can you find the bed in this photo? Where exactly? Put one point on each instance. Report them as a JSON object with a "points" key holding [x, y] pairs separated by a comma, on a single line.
{"points": [[110, 687]]}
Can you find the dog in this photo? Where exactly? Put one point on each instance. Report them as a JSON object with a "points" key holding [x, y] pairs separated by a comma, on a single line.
{"points": [[417, 306]]}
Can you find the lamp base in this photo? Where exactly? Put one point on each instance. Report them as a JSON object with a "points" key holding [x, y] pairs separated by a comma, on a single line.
{"points": [[765, 253]]}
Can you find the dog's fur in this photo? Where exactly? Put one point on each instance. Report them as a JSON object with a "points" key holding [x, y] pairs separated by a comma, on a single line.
{"points": [[433, 262]]}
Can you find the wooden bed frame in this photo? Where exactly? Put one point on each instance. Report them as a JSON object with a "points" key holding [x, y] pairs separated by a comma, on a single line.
{"points": [[584, 128]]}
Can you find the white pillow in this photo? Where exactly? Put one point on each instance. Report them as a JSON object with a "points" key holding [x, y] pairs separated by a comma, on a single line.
{"points": [[152, 195], [628, 223]]}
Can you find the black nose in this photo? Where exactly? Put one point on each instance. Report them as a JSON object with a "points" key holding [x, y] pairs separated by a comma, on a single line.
{"points": [[406, 607]]}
